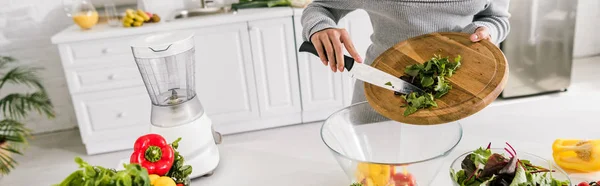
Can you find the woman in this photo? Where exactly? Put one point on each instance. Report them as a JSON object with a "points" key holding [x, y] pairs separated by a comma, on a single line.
{"points": [[397, 20]]}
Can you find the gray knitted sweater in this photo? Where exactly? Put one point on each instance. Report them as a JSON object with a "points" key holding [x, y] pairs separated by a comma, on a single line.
{"points": [[397, 20]]}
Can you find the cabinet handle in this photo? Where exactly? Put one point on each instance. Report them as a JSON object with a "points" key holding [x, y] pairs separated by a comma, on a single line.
{"points": [[112, 77], [121, 115]]}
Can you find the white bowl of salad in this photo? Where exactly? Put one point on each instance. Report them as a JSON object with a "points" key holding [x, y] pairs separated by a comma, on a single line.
{"points": [[505, 167]]}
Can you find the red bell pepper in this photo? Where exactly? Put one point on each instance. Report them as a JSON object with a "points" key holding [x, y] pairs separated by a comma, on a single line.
{"points": [[153, 152]]}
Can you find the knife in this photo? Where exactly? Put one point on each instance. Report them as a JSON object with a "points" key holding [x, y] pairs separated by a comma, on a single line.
{"points": [[369, 74]]}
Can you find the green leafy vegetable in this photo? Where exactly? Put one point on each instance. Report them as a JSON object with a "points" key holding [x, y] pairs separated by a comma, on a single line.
{"points": [[431, 78], [415, 102], [480, 156], [442, 87], [179, 172], [88, 175], [356, 184], [388, 83], [426, 81], [524, 173], [520, 177], [413, 70]]}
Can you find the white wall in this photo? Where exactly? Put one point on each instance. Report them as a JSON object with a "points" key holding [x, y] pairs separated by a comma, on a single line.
{"points": [[25, 30], [587, 39]]}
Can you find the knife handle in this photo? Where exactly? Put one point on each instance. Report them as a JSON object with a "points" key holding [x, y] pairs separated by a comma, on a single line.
{"points": [[310, 48]]}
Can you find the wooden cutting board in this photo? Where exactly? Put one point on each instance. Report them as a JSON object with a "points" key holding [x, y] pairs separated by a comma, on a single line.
{"points": [[479, 81]]}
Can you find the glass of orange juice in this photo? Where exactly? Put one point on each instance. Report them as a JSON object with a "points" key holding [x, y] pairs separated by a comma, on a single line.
{"points": [[82, 11]]}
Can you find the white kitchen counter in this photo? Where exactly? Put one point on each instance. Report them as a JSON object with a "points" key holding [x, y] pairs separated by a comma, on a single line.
{"points": [[296, 156], [101, 31]]}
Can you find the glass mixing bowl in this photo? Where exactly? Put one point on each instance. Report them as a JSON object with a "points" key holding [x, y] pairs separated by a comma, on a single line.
{"points": [[558, 173], [376, 151]]}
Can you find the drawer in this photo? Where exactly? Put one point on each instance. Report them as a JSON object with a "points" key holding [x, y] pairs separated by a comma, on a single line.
{"points": [[113, 114], [94, 79], [99, 48], [116, 50]]}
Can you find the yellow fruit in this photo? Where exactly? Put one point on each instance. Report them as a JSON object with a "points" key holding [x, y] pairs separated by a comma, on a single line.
{"points": [[369, 182], [153, 178], [164, 181], [127, 20], [155, 18], [377, 175], [143, 15], [138, 18], [129, 13], [126, 24], [138, 23]]}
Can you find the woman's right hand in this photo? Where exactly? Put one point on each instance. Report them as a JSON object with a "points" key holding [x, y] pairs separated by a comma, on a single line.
{"points": [[329, 44]]}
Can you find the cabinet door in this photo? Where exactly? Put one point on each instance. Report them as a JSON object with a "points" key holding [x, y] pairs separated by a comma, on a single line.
{"points": [[274, 59], [320, 88], [224, 74], [358, 25], [113, 115]]}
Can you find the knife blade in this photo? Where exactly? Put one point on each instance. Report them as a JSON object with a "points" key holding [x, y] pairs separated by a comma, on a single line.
{"points": [[368, 74]]}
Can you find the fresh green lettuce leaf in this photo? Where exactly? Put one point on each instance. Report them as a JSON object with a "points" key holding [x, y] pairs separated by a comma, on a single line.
{"points": [[520, 177], [426, 81], [480, 156], [431, 78]]}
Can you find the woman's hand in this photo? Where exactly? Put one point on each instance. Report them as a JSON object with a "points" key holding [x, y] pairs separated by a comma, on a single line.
{"points": [[329, 44], [480, 34]]}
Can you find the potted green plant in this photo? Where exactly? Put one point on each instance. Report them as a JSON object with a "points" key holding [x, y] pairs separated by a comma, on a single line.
{"points": [[16, 106]]}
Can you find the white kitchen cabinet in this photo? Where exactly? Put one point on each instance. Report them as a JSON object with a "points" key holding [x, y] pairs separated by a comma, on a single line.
{"points": [[358, 25], [114, 116], [224, 74], [274, 59], [321, 89], [324, 92]]}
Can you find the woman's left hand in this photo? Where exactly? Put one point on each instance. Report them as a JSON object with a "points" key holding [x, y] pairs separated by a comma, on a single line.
{"points": [[480, 34]]}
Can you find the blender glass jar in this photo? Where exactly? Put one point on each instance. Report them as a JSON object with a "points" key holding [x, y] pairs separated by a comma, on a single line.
{"points": [[167, 64]]}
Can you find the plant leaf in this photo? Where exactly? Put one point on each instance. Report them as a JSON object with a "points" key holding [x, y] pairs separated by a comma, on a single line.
{"points": [[4, 60], [7, 163], [14, 134], [18, 105], [23, 75]]}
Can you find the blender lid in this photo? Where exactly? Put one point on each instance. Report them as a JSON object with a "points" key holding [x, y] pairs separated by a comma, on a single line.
{"points": [[162, 44]]}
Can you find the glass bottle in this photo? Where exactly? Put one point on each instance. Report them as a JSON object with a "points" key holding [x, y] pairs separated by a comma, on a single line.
{"points": [[82, 11]]}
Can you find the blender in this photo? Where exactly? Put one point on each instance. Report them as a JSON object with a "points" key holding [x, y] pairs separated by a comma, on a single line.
{"points": [[166, 62]]}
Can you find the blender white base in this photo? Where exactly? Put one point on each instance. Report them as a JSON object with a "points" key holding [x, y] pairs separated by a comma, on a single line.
{"points": [[204, 164], [197, 145]]}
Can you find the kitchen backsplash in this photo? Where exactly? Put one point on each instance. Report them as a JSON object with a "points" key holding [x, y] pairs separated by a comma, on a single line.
{"points": [[27, 25]]}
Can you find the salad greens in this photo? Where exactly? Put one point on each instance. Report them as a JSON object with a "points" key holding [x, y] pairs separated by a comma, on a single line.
{"points": [[88, 175], [431, 78], [484, 168], [179, 172]]}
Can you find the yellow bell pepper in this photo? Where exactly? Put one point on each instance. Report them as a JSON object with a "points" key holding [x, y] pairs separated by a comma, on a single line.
{"points": [[374, 174], [577, 155], [156, 180]]}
